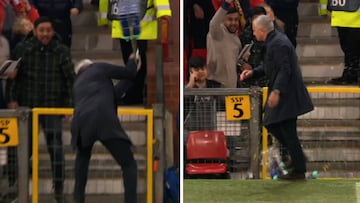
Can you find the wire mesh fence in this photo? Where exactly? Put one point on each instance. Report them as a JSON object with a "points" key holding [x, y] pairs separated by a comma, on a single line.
{"points": [[225, 110], [330, 135]]}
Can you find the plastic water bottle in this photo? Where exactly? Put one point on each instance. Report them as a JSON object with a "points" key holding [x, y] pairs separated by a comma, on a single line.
{"points": [[314, 175], [274, 173]]}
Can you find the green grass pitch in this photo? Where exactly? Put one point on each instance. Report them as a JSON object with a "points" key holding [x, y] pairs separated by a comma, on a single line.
{"points": [[267, 191]]}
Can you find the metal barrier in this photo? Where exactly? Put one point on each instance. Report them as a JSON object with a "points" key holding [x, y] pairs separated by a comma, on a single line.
{"points": [[330, 135], [237, 112], [13, 141], [36, 112]]}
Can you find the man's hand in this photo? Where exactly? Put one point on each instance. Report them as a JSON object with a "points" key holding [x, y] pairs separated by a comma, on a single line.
{"points": [[74, 11], [165, 18], [245, 74], [246, 66], [13, 105], [192, 79], [273, 100], [137, 58], [12, 74], [198, 12]]}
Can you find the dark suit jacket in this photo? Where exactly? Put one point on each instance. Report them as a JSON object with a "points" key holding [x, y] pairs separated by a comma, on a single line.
{"points": [[283, 71], [95, 116]]}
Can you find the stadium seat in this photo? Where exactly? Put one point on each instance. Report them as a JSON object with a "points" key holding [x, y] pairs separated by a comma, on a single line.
{"points": [[206, 153]]}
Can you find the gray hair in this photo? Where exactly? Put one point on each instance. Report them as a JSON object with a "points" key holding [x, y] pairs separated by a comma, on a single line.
{"points": [[81, 64], [265, 23]]}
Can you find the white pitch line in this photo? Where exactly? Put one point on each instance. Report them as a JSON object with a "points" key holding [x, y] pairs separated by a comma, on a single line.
{"points": [[357, 188]]}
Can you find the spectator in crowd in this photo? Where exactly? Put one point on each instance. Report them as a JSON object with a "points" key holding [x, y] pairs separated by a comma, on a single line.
{"points": [[244, 4], [199, 110], [156, 10], [287, 98], [223, 45], [279, 24], [22, 27], [287, 12], [89, 124], [346, 18], [11, 10], [256, 51], [46, 65], [200, 13], [198, 74], [60, 13], [4, 55], [11, 151]]}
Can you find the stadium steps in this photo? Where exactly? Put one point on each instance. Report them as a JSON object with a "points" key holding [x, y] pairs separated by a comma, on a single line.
{"points": [[105, 176], [330, 134], [318, 50]]}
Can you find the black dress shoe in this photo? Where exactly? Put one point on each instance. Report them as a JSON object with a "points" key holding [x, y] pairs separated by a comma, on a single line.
{"points": [[293, 176], [343, 81]]}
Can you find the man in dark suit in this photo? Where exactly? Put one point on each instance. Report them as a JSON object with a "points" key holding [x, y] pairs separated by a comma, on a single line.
{"points": [[288, 97], [95, 118]]}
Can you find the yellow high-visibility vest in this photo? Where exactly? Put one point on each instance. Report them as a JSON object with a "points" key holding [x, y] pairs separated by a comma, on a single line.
{"points": [[148, 24], [341, 18], [323, 7], [102, 14], [345, 19]]}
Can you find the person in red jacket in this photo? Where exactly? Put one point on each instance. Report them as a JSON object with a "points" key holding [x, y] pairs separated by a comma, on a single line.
{"points": [[10, 10]]}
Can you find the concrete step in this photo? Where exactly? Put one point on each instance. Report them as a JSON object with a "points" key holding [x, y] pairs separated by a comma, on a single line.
{"points": [[87, 38], [341, 113], [321, 68], [327, 123], [341, 154], [307, 9], [346, 143], [88, 17], [318, 47], [335, 169], [327, 133], [94, 186], [99, 161], [110, 56], [316, 26], [138, 137], [92, 198]]}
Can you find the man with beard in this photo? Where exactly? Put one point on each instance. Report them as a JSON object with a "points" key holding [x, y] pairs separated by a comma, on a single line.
{"points": [[223, 45], [45, 79]]}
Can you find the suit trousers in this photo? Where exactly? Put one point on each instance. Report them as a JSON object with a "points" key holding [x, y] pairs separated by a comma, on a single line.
{"points": [[135, 89], [349, 39], [121, 151], [285, 132]]}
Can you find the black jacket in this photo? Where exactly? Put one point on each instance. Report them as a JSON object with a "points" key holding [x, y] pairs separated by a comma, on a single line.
{"points": [[56, 8], [282, 69], [283, 4], [95, 116]]}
